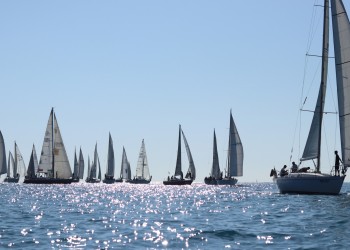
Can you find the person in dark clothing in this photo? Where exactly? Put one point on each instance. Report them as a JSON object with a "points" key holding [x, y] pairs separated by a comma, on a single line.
{"points": [[337, 163]]}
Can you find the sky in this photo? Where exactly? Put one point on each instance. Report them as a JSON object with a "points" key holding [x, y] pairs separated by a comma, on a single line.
{"points": [[138, 69]]}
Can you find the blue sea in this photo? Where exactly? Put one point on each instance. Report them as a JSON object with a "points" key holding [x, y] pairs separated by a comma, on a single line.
{"points": [[102, 216]]}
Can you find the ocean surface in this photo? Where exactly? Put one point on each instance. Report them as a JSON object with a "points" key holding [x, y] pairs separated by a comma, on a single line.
{"points": [[102, 216]]}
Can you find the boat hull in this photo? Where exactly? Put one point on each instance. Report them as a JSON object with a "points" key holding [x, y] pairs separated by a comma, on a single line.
{"points": [[231, 181], [92, 180], [11, 180], [43, 180], [309, 183], [178, 182], [109, 180], [118, 180], [139, 181], [75, 180]]}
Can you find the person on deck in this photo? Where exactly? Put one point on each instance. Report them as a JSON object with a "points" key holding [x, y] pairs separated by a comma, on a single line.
{"points": [[337, 163], [284, 171], [294, 167]]}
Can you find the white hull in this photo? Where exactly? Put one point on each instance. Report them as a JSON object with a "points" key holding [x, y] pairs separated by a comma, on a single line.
{"points": [[309, 183]]}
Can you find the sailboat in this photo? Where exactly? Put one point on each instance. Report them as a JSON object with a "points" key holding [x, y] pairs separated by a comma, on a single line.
{"points": [[81, 165], [3, 166], [91, 178], [109, 176], [215, 169], [125, 171], [177, 178], [142, 170], [54, 167], [33, 165], [316, 182], [16, 166], [75, 177]]}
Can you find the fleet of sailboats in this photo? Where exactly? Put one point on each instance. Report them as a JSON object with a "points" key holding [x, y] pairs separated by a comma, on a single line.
{"points": [[16, 166], [94, 168], [178, 178], [315, 182]]}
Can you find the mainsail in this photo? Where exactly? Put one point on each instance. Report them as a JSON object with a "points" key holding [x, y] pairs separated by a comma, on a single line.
{"points": [[81, 165], [341, 34], [20, 167], [142, 169], [110, 162], [191, 168], [3, 166], [33, 163], [125, 168], [215, 170], [178, 170], [11, 166], [76, 165], [235, 152]]}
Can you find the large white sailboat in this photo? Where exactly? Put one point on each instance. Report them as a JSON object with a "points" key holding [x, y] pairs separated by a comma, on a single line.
{"points": [[234, 165], [177, 178], [142, 170], [109, 176], [316, 182], [16, 166], [54, 167]]}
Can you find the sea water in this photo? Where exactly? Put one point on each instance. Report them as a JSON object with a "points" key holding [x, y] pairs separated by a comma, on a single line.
{"points": [[102, 216]]}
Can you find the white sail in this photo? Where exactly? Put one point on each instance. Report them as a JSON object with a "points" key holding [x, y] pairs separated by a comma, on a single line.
{"points": [[215, 170], [191, 168], [125, 168], [235, 151], [45, 162], [76, 165], [341, 34], [142, 169], [61, 164], [11, 166], [81, 165], [20, 167], [33, 164], [110, 157], [178, 170]]}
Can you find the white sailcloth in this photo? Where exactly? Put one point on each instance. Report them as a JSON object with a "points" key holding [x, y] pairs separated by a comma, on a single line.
{"points": [[11, 166], [125, 168], [341, 34], [142, 169], [20, 167], [3, 166], [191, 168], [235, 151]]}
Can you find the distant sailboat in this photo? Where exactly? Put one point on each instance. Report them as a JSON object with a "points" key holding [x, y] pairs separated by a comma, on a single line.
{"points": [[235, 155], [125, 168], [215, 173], [109, 176], [307, 182], [177, 178], [16, 167], [142, 170], [75, 177], [81, 165], [54, 167], [93, 169], [3, 164]]}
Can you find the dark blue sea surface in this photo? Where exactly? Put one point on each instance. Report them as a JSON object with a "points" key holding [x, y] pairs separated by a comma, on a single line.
{"points": [[102, 216]]}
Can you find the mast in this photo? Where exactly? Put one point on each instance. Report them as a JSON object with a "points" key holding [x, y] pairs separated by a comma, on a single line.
{"points": [[324, 73]]}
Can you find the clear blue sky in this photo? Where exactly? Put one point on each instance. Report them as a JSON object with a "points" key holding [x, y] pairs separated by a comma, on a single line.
{"points": [[138, 69]]}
